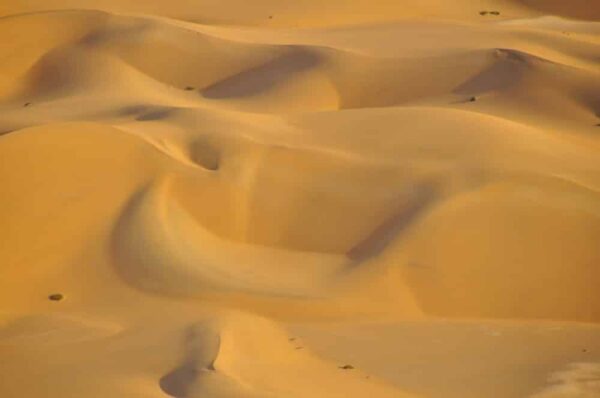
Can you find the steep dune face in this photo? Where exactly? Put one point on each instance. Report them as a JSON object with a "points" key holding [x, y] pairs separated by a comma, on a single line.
{"points": [[266, 199]]}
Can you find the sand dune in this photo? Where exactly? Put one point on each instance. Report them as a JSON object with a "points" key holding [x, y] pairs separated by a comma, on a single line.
{"points": [[299, 199]]}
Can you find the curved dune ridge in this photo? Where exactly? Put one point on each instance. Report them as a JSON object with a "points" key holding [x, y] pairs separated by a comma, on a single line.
{"points": [[154, 240], [224, 356], [299, 199]]}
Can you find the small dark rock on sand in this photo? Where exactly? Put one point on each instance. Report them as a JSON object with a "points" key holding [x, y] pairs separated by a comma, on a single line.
{"points": [[472, 99], [347, 367], [189, 88], [27, 104], [55, 297]]}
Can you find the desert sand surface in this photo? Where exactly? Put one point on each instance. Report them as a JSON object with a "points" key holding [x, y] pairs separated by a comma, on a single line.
{"points": [[300, 199]]}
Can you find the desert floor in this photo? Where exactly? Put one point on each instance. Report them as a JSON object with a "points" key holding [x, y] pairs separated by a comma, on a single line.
{"points": [[299, 199]]}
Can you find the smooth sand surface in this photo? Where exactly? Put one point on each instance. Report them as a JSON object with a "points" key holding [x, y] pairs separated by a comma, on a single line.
{"points": [[300, 199]]}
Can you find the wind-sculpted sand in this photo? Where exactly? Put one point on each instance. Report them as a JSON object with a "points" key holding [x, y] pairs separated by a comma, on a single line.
{"points": [[300, 199]]}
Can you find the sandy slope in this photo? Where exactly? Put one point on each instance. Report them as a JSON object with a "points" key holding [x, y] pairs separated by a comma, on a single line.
{"points": [[300, 199]]}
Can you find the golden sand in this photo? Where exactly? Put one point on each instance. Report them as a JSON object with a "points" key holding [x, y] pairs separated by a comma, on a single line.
{"points": [[299, 199]]}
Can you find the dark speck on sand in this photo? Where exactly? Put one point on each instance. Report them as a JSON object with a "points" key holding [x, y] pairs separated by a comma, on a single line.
{"points": [[55, 297]]}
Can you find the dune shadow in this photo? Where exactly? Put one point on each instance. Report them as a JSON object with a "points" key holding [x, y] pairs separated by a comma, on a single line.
{"points": [[258, 79], [121, 233], [200, 352], [411, 209], [506, 71], [102, 35], [142, 112], [131, 110], [205, 154], [157, 113]]}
